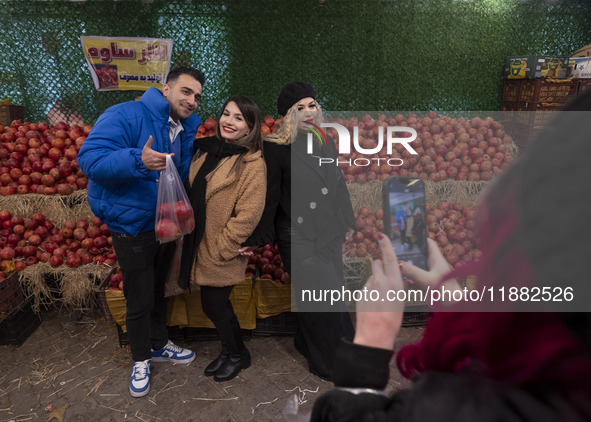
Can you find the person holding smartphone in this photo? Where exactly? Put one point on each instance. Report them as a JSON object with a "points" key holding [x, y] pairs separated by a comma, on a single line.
{"points": [[308, 212], [505, 365]]}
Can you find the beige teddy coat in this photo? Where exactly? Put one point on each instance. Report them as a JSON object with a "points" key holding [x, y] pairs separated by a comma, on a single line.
{"points": [[234, 205]]}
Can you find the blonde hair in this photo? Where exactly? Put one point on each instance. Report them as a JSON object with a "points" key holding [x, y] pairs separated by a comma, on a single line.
{"points": [[287, 129]]}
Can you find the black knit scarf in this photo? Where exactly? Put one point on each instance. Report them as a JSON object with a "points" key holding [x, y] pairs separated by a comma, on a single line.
{"points": [[216, 150]]}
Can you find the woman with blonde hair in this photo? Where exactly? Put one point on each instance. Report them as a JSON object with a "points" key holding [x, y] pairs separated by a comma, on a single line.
{"points": [[308, 212], [512, 360]]}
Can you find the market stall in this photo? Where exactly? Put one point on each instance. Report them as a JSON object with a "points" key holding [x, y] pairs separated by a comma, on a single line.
{"points": [[62, 254]]}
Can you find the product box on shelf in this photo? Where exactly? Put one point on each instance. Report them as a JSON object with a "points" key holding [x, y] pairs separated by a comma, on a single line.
{"points": [[579, 67], [583, 51], [533, 67]]}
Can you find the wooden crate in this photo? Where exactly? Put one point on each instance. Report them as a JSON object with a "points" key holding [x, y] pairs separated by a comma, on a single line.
{"points": [[19, 325], [509, 106], [8, 113], [511, 90], [101, 295], [536, 115], [283, 324], [11, 295], [547, 91], [584, 85]]}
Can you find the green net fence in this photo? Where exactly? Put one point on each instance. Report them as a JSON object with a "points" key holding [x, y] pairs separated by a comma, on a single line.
{"points": [[359, 55]]}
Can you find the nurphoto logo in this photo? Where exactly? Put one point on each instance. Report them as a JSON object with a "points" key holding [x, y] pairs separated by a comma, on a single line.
{"points": [[344, 143]]}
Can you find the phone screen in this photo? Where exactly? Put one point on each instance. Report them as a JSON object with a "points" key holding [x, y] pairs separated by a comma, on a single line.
{"points": [[405, 218]]}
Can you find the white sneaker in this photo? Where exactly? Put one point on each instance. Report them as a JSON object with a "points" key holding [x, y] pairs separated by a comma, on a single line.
{"points": [[173, 353], [139, 384]]}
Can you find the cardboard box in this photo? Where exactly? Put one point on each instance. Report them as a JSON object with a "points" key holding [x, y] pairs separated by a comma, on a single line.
{"points": [[270, 298], [579, 67], [533, 67], [583, 51]]}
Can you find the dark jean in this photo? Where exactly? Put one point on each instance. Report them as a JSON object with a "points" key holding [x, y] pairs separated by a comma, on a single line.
{"points": [[144, 263], [216, 304]]}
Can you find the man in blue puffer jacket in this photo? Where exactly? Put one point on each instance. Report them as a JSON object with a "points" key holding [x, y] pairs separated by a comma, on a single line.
{"points": [[122, 158]]}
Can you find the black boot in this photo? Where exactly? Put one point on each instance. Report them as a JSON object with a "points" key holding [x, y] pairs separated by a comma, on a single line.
{"points": [[216, 364], [231, 367], [239, 357]]}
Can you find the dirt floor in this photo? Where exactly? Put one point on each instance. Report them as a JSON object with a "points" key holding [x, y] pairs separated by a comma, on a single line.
{"points": [[79, 365]]}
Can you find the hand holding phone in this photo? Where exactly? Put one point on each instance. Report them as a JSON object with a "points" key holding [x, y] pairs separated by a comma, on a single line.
{"points": [[431, 278], [438, 267], [405, 219], [377, 322]]}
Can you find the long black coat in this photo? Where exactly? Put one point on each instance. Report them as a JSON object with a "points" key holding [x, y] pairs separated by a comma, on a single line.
{"points": [[321, 208], [308, 211]]}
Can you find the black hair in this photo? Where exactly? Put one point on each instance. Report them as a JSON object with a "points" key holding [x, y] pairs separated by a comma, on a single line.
{"points": [[252, 116], [174, 74]]}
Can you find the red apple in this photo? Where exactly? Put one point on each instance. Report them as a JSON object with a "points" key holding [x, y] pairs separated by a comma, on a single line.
{"points": [[166, 230]]}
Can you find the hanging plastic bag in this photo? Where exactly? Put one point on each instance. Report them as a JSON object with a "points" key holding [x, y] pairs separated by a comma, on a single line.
{"points": [[174, 214], [171, 286]]}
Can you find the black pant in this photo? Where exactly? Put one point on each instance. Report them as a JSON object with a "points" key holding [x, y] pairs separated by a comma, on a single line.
{"points": [[216, 304], [144, 263]]}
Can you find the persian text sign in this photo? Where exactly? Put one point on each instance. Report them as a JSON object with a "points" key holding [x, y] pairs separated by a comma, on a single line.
{"points": [[127, 63]]}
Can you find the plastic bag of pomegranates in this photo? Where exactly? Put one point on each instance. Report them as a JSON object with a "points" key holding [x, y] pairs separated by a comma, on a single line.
{"points": [[174, 214]]}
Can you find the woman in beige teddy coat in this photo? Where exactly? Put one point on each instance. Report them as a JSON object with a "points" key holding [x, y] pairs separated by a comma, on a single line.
{"points": [[227, 191]]}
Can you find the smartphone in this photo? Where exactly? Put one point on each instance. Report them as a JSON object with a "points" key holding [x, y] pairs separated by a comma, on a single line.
{"points": [[405, 218]]}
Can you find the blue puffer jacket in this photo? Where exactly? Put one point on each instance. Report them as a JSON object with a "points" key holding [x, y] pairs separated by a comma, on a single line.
{"points": [[122, 192]]}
